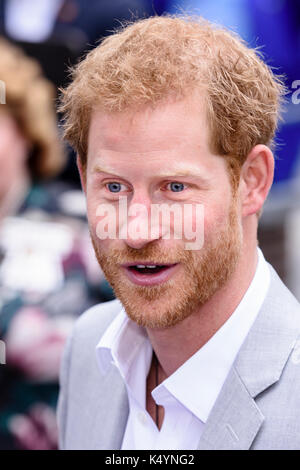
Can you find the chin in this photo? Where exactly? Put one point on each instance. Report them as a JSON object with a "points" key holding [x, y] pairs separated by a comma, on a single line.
{"points": [[157, 313]]}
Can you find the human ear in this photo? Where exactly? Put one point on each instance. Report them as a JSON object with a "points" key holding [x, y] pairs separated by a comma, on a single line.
{"points": [[256, 179]]}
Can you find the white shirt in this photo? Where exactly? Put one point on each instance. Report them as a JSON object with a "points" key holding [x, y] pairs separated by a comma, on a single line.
{"points": [[189, 394]]}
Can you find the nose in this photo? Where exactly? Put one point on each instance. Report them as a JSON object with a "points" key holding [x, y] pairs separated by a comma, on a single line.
{"points": [[140, 231]]}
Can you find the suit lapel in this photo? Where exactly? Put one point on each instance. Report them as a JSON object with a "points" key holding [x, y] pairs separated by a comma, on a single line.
{"points": [[235, 418]]}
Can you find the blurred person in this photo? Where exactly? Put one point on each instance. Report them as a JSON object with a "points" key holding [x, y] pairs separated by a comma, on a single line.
{"points": [[30, 148], [200, 350], [46, 267]]}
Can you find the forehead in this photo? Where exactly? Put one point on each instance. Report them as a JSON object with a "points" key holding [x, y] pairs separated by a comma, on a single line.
{"points": [[167, 126]]}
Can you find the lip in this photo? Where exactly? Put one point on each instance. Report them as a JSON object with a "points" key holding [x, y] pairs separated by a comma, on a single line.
{"points": [[146, 263], [149, 279]]}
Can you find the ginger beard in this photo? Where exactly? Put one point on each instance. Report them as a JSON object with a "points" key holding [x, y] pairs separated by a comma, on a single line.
{"points": [[201, 274]]}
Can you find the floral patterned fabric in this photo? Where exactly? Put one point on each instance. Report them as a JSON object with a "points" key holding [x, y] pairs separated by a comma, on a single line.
{"points": [[48, 276]]}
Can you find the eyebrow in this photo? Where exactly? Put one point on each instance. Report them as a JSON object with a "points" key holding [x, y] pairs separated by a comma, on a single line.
{"points": [[179, 171], [99, 169]]}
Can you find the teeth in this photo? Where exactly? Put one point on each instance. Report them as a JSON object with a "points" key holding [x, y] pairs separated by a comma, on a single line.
{"points": [[145, 266]]}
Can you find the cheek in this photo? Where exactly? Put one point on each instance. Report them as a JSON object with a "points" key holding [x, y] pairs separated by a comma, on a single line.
{"points": [[92, 214], [216, 217], [93, 207], [103, 223]]}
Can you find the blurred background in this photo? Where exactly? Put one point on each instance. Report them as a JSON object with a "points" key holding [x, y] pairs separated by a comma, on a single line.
{"points": [[48, 273]]}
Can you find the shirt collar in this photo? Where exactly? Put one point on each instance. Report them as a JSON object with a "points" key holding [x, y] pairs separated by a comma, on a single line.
{"points": [[126, 346], [120, 344], [198, 382]]}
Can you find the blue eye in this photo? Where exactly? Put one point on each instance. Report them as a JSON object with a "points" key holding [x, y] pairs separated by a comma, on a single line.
{"points": [[114, 187], [177, 187]]}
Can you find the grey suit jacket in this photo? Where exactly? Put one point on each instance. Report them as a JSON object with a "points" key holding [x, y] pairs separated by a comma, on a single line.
{"points": [[257, 408]]}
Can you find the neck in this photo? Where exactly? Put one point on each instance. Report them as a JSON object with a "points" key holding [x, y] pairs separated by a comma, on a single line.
{"points": [[174, 346]]}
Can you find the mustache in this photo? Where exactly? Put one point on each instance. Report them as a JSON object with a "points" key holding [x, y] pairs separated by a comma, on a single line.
{"points": [[131, 255], [148, 253]]}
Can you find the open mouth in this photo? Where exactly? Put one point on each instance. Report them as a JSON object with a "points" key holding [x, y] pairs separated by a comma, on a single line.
{"points": [[148, 269], [149, 274]]}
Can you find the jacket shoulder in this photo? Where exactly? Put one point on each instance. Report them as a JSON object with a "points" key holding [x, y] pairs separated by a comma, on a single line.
{"points": [[94, 321], [79, 361]]}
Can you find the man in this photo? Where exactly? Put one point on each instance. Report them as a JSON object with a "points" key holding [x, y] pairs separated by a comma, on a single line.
{"points": [[199, 350]]}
